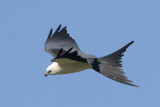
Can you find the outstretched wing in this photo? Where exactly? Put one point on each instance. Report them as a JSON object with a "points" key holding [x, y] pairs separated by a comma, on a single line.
{"points": [[58, 40]]}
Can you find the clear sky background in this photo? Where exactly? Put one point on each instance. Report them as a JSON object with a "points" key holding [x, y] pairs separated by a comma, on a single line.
{"points": [[99, 28]]}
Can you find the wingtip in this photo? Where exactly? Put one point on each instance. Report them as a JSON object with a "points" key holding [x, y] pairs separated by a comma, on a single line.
{"points": [[135, 85], [50, 33], [51, 30], [60, 26], [64, 28], [132, 42]]}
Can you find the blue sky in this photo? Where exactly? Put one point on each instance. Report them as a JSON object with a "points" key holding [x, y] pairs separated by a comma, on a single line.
{"points": [[100, 28]]}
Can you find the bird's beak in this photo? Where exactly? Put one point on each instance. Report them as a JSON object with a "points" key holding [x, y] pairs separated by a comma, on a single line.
{"points": [[45, 75]]}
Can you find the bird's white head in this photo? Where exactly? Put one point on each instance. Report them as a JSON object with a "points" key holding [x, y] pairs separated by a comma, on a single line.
{"points": [[53, 69]]}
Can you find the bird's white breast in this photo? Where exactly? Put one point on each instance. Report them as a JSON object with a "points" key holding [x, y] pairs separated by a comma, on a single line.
{"points": [[66, 66]]}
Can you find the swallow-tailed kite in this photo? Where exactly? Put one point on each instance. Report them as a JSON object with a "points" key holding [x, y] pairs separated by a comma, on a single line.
{"points": [[68, 58]]}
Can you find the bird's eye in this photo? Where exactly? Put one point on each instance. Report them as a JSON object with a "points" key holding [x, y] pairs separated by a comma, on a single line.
{"points": [[49, 72]]}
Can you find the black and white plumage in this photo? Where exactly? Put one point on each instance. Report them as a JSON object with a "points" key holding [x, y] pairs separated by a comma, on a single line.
{"points": [[68, 58]]}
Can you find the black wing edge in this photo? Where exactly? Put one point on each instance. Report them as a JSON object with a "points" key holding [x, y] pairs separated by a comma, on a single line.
{"points": [[70, 55], [57, 30]]}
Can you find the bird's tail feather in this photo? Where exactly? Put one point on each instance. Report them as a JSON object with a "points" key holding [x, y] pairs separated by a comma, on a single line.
{"points": [[110, 66], [114, 59]]}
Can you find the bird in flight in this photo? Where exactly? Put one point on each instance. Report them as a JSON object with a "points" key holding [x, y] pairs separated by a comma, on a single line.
{"points": [[68, 58]]}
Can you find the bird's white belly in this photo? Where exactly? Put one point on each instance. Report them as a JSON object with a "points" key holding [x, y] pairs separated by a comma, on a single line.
{"points": [[67, 66]]}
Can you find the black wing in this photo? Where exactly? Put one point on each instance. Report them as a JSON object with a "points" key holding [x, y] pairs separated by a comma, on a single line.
{"points": [[58, 40], [70, 55]]}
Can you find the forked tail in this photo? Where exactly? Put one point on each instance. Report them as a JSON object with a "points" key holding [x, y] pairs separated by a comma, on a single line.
{"points": [[114, 59], [110, 66]]}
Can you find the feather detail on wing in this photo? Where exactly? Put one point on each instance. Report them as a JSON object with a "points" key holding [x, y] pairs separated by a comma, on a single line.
{"points": [[61, 45], [58, 40], [70, 55]]}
